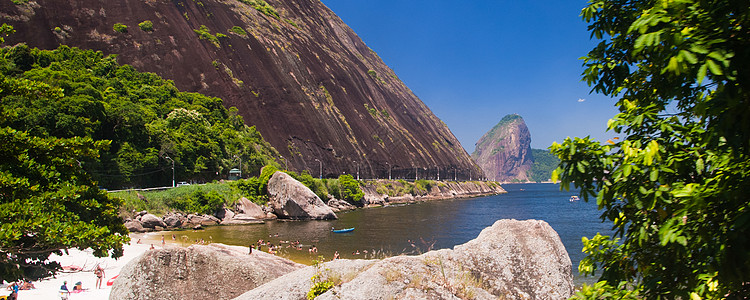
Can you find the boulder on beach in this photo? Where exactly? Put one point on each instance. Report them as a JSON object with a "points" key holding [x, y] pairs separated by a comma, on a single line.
{"points": [[250, 209], [291, 199], [509, 260], [135, 226], [152, 221], [213, 271]]}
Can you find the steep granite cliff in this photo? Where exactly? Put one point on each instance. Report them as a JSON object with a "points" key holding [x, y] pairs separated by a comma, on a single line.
{"points": [[504, 152], [314, 90]]}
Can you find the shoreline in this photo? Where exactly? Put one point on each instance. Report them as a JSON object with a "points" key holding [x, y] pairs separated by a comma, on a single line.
{"points": [[48, 288]]}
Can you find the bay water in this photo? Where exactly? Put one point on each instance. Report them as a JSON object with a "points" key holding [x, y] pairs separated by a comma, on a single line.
{"points": [[417, 228]]}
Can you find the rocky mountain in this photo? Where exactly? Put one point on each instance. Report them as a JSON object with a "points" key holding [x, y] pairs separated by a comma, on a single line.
{"points": [[504, 152], [308, 83]]}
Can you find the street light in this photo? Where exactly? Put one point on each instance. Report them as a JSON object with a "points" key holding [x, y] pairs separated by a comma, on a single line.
{"points": [[416, 174], [389, 170], [240, 158], [321, 168], [167, 157], [355, 162], [438, 174]]}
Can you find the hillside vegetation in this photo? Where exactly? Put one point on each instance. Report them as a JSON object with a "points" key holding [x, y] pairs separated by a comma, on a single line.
{"points": [[544, 163], [148, 121]]}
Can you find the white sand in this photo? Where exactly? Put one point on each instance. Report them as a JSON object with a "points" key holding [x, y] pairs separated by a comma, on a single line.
{"points": [[49, 288]]}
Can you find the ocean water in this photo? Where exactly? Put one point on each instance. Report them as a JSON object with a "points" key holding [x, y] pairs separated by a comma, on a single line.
{"points": [[416, 228]]}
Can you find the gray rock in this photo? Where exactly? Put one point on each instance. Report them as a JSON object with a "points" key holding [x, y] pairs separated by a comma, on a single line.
{"points": [[135, 226], [339, 205], [151, 221], [250, 209], [214, 271], [291, 199], [509, 260], [174, 220], [204, 220], [224, 214], [241, 219]]}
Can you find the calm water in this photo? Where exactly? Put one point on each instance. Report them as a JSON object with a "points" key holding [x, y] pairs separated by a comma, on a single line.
{"points": [[438, 224]]}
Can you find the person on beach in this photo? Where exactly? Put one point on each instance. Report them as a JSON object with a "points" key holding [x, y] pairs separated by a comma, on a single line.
{"points": [[250, 249], [336, 255], [152, 247], [64, 292], [99, 272], [162, 240]]}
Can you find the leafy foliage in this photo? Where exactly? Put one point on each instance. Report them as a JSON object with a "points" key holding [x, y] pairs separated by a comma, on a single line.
{"points": [[319, 284], [676, 186], [544, 163], [350, 190], [146, 26], [88, 94], [199, 202], [205, 34], [119, 27], [238, 30], [263, 7], [48, 202]]}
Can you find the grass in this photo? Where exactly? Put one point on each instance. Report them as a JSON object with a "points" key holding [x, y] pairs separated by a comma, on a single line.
{"points": [[156, 202]]}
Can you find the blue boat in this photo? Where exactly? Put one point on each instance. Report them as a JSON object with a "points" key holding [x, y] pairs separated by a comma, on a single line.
{"points": [[342, 230]]}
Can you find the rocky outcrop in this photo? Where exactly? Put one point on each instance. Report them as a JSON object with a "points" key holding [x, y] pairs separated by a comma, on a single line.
{"points": [[291, 199], [151, 221], [294, 61], [504, 152], [383, 192], [198, 272], [509, 260]]}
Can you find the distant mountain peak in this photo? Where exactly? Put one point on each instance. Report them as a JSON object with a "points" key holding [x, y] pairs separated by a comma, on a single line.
{"points": [[504, 152]]}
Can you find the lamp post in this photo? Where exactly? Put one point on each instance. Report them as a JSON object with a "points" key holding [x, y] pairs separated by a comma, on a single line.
{"points": [[416, 174], [167, 157], [438, 174], [240, 158], [355, 162], [454, 175], [284, 160], [389, 170], [321, 168]]}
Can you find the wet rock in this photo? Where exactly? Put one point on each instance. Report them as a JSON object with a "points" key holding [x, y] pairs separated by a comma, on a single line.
{"points": [[250, 209]]}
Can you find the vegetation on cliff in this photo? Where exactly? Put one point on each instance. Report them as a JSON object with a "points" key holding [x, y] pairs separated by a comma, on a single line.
{"points": [[148, 121], [676, 186], [544, 163]]}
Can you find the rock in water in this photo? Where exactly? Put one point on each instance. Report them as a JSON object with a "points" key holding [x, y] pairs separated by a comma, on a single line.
{"points": [[509, 260], [291, 199], [504, 152], [214, 271]]}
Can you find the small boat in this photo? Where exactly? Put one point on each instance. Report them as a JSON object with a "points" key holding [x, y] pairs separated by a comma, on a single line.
{"points": [[342, 230], [574, 198]]}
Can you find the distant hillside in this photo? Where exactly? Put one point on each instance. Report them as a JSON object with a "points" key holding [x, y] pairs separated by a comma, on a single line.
{"points": [[293, 69], [544, 164], [504, 152]]}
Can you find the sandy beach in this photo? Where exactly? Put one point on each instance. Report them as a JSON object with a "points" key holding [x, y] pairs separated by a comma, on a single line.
{"points": [[49, 288]]}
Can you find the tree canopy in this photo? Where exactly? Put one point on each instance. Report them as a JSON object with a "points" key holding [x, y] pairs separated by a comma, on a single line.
{"points": [[144, 116], [675, 184]]}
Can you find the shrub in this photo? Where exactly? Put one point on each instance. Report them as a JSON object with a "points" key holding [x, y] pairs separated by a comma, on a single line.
{"points": [[147, 26], [119, 27], [205, 34], [350, 190], [199, 202], [58, 29], [238, 30]]}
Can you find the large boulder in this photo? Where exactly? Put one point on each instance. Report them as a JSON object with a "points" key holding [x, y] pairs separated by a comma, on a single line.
{"points": [[214, 271], [135, 226], [174, 220], [250, 209], [291, 199], [151, 221], [509, 260]]}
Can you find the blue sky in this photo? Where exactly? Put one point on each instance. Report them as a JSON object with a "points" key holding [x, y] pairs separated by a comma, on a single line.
{"points": [[473, 62]]}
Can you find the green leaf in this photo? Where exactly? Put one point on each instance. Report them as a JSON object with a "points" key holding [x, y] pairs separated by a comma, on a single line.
{"points": [[715, 69]]}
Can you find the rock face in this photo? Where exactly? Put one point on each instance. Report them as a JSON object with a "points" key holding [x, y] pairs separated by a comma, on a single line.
{"points": [[297, 62], [291, 199], [198, 272], [509, 260], [504, 152]]}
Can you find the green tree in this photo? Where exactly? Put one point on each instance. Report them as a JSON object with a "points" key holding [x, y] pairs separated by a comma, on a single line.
{"points": [[350, 190], [49, 204], [675, 186]]}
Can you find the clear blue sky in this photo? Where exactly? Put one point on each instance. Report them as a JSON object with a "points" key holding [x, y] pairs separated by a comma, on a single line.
{"points": [[473, 62]]}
